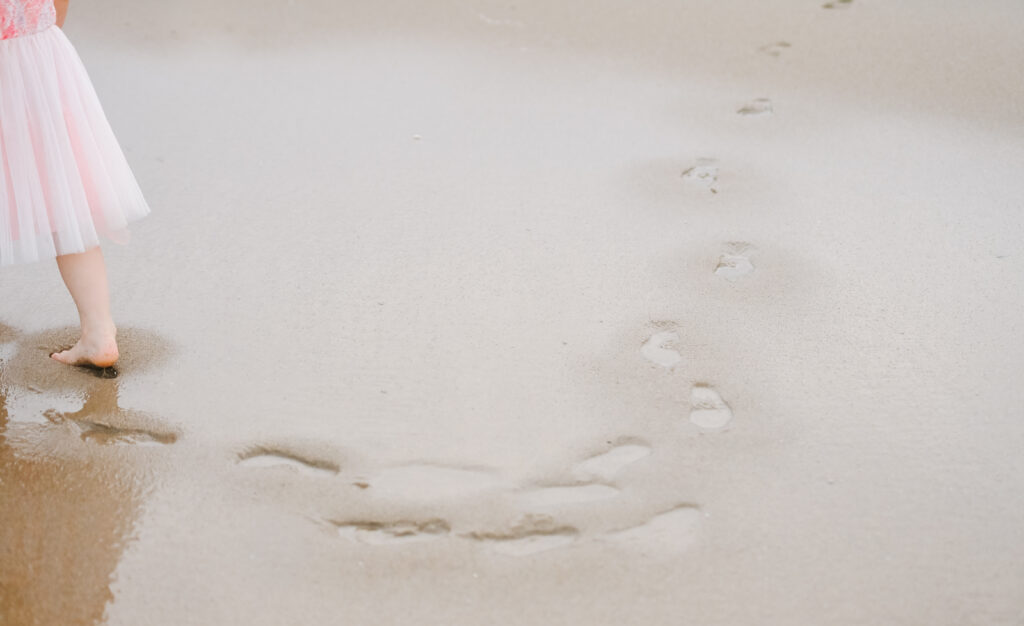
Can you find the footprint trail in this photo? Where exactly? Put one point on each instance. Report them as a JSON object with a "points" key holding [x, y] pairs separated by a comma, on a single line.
{"points": [[759, 107], [400, 532], [708, 410], [418, 482], [272, 457], [607, 465], [556, 496], [531, 534], [775, 49], [735, 261], [655, 351], [671, 531], [704, 172]]}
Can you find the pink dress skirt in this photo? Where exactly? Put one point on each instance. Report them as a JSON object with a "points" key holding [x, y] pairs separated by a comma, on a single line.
{"points": [[64, 180]]}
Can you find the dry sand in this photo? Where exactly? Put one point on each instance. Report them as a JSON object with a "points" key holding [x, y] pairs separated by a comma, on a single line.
{"points": [[471, 312]]}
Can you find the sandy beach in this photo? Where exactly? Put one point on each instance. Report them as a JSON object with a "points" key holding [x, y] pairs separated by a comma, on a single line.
{"points": [[537, 313]]}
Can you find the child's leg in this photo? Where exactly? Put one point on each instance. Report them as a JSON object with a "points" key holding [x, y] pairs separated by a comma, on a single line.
{"points": [[85, 275]]}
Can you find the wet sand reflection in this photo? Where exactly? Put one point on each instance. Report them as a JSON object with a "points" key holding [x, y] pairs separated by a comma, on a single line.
{"points": [[67, 505]]}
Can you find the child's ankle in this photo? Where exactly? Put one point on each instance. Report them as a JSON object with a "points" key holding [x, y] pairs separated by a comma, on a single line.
{"points": [[99, 332]]}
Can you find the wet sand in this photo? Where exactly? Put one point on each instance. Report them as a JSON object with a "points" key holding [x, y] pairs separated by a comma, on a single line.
{"points": [[545, 313]]}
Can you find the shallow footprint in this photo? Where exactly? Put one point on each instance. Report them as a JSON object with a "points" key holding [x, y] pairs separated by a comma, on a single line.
{"points": [[775, 49], [379, 533], [674, 530], [107, 434], [606, 465], [102, 420], [429, 482], [531, 544], [499, 21], [732, 266], [531, 534], [655, 351], [270, 457], [757, 108], [735, 262], [544, 497], [707, 409], [703, 172]]}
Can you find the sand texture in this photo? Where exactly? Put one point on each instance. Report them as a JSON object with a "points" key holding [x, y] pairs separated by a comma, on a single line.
{"points": [[551, 312]]}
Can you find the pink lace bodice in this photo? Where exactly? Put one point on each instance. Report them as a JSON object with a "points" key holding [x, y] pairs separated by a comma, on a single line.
{"points": [[25, 17]]}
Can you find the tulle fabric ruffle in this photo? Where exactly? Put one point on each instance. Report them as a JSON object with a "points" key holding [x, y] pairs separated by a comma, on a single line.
{"points": [[64, 180]]}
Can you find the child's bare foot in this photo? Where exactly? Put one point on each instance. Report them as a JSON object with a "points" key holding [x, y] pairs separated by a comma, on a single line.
{"points": [[95, 349]]}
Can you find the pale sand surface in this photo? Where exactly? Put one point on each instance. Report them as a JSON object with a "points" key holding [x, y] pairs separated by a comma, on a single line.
{"points": [[470, 312]]}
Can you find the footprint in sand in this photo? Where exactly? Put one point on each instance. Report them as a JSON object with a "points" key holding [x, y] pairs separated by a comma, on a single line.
{"points": [[655, 351], [387, 533], [499, 21], [704, 172], [666, 533], [531, 534], [735, 261], [758, 107], [707, 409], [607, 465], [273, 457], [560, 495], [51, 397], [774, 49], [107, 434], [419, 482], [101, 417]]}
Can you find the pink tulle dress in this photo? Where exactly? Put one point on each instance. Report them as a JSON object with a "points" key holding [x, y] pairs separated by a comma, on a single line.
{"points": [[64, 181]]}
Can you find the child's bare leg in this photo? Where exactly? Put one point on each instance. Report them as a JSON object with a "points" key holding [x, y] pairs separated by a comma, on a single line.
{"points": [[85, 275]]}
